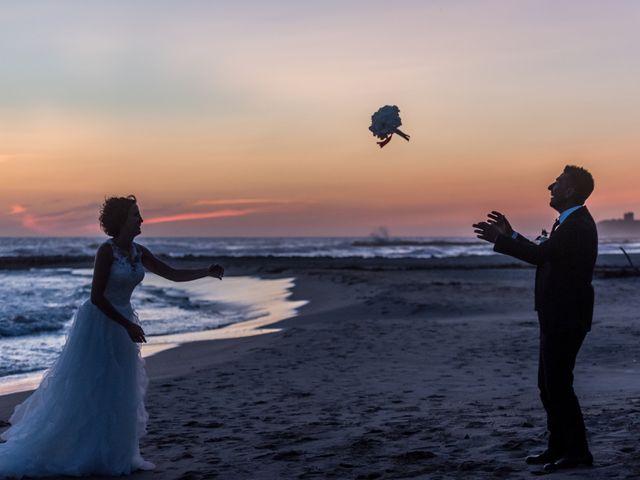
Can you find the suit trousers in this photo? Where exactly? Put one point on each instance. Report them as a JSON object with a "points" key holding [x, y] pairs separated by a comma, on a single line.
{"points": [[558, 352]]}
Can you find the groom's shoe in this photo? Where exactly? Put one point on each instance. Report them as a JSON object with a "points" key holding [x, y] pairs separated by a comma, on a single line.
{"points": [[543, 458], [565, 463]]}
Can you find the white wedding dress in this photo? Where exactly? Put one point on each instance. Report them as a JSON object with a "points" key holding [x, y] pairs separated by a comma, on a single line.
{"points": [[87, 416]]}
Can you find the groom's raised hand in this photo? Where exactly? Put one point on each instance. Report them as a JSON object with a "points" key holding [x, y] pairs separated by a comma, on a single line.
{"points": [[486, 231], [496, 225], [500, 222]]}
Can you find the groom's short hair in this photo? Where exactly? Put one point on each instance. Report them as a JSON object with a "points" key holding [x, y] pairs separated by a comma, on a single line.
{"points": [[581, 180]]}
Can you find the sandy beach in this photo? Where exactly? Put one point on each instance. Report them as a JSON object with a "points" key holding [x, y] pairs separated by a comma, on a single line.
{"points": [[394, 369]]}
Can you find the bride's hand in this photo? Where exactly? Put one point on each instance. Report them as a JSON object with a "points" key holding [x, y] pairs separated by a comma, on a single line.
{"points": [[216, 271], [136, 333]]}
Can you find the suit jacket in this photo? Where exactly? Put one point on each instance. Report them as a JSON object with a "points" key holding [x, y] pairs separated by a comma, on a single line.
{"points": [[565, 263]]}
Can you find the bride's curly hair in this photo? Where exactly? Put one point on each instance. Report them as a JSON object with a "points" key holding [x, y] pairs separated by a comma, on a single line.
{"points": [[114, 212]]}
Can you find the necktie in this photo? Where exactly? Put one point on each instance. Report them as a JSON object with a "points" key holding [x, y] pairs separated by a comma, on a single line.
{"points": [[555, 225]]}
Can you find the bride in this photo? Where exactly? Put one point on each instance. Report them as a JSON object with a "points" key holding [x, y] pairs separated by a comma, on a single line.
{"points": [[88, 415]]}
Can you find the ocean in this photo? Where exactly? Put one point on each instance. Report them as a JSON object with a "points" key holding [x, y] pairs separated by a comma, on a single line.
{"points": [[73, 248], [212, 247]]}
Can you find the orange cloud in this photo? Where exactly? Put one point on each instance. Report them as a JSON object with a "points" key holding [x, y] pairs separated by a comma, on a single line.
{"points": [[181, 217]]}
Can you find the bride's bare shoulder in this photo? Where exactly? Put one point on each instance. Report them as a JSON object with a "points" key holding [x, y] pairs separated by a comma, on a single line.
{"points": [[105, 249]]}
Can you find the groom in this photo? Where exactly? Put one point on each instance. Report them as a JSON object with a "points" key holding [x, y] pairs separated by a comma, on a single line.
{"points": [[564, 303]]}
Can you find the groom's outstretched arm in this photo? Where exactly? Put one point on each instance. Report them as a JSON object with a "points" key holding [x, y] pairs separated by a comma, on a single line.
{"points": [[496, 229], [563, 243]]}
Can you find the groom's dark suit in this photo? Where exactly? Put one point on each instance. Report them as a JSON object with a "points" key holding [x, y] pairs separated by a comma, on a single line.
{"points": [[564, 302]]}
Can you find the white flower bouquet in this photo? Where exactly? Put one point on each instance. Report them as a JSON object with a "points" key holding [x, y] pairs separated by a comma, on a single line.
{"points": [[385, 122]]}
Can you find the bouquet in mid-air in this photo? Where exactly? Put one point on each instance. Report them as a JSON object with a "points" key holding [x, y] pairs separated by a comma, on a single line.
{"points": [[385, 122]]}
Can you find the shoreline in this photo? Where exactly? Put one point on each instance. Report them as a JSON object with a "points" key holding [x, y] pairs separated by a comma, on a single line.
{"points": [[273, 299]]}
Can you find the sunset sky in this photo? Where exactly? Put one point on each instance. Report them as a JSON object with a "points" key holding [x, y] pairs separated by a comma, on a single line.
{"points": [[249, 118]]}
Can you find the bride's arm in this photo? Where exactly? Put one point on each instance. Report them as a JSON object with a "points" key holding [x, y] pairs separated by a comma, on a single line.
{"points": [[157, 266], [102, 267]]}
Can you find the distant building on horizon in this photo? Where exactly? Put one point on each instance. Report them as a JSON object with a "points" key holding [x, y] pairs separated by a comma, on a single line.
{"points": [[626, 227]]}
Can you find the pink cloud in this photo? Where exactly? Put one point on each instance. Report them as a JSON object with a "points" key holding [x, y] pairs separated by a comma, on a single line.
{"points": [[62, 221], [31, 222], [241, 201], [81, 219], [17, 209], [181, 217]]}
